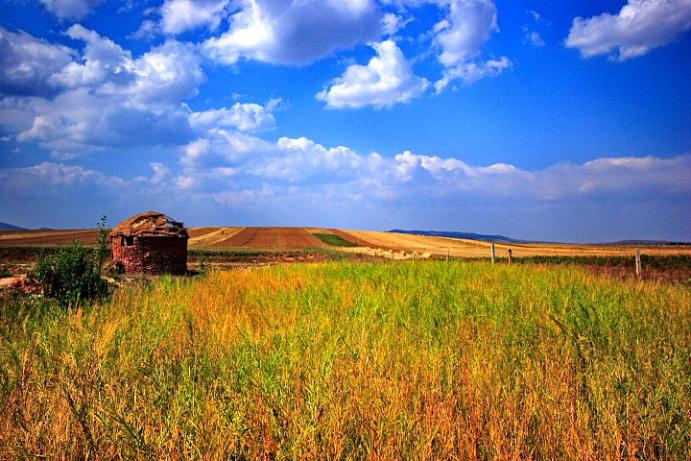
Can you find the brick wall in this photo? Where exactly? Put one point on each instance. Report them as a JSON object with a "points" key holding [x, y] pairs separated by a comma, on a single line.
{"points": [[151, 254]]}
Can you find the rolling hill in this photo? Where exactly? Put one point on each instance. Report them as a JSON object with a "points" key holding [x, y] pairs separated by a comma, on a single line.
{"points": [[462, 235], [5, 226]]}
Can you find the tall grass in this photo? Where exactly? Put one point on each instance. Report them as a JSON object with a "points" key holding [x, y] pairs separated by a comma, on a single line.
{"points": [[414, 360]]}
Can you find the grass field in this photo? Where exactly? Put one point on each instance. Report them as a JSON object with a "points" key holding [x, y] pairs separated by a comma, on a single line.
{"points": [[412, 360]]}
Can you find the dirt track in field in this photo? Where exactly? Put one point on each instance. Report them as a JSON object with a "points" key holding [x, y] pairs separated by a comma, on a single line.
{"points": [[273, 237]]}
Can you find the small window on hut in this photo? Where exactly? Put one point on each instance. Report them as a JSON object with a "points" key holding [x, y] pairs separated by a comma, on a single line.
{"points": [[128, 241]]}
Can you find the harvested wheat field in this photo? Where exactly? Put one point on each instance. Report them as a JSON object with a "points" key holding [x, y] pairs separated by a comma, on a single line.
{"points": [[476, 248], [211, 236], [285, 238], [351, 237], [199, 231]]}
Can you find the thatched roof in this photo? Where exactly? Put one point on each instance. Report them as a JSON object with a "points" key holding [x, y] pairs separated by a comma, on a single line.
{"points": [[149, 224]]}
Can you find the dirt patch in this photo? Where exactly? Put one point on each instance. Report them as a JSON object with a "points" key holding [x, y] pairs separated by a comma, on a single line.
{"points": [[239, 240], [20, 283], [272, 238]]}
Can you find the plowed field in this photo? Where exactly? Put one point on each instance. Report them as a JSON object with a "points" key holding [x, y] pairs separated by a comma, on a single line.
{"points": [[47, 237], [285, 238], [199, 231], [273, 237]]}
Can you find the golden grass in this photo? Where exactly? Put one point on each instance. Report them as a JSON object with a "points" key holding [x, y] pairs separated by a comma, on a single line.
{"points": [[415, 360]]}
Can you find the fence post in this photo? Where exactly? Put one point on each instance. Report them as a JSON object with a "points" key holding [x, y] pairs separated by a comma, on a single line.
{"points": [[638, 263], [510, 254], [493, 253], [447, 254]]}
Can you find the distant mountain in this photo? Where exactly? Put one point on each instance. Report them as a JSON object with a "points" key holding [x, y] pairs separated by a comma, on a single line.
{"points": [[5, 226], [503, 239], [647, 242], [461, 235]]}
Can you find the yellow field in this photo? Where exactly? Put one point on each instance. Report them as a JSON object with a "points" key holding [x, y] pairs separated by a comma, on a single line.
{"points": [[370, 242], [214, 236], [476, 248]]}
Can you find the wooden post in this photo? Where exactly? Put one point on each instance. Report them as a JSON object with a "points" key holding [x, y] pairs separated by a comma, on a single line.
{"points": [[638, 263], [447, 254], [510, 254], [493, 253]]}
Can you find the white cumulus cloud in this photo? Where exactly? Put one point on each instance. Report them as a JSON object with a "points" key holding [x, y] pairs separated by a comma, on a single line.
{"points": [[386, 80], [70, 9], [49, 174], [26, 63], [534, 38], [640, 26], [178, 16], [459, 37], [229, 170], [105, 97], [222, 149], [296, 32], [240, 116], [169, 72], [79, 121], [297, 166]]}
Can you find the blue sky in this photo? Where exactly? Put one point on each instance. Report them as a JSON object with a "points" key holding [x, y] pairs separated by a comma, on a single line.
{"points": [[547, 120]]}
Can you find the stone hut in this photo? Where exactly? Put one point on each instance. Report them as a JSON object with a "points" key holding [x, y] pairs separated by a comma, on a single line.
{"points": [[150, 242]]}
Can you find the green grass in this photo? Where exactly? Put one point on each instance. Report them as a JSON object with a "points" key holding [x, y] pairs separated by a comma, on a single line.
{"points": [[335, 240], [408, 360]]}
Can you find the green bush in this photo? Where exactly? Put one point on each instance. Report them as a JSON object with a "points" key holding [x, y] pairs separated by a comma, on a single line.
{"points": [[72, 275]]}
